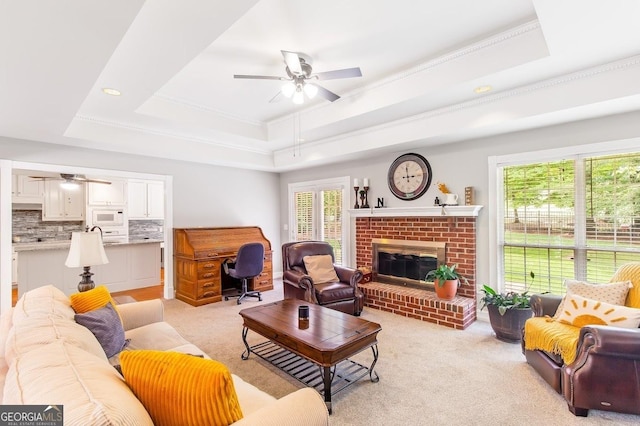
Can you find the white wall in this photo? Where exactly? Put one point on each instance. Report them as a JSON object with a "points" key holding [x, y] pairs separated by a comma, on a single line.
{"points": [[466, 164], [203, 195]]}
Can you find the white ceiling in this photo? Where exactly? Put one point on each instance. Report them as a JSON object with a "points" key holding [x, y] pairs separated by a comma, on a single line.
{"points": [[548, 61]]}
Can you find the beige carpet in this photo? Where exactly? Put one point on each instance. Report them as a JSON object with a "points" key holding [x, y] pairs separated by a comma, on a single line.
{"points": [[429, 374]]}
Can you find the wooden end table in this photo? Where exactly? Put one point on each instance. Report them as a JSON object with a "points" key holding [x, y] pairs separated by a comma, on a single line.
{"points": [[298, 347]]}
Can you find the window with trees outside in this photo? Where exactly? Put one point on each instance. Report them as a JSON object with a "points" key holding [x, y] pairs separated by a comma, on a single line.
{"points": [[572, 218]]}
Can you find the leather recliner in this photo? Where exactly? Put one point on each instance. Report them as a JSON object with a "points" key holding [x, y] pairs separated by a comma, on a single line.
{"points": [[344, 295], [605, 374]]}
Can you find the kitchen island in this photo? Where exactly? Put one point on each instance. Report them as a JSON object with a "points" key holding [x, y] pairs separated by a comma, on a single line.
{"points": [[132, 264]]}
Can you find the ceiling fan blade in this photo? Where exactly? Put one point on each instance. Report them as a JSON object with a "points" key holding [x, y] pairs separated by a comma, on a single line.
{"points": [[327, 94], [43, 177], [105, 182], [293, 61], [258, 77], [335, 74], [276, 98]]}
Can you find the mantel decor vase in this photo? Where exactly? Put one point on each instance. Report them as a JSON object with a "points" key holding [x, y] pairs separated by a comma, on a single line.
{"points": [[508, 327], [446, 290]]}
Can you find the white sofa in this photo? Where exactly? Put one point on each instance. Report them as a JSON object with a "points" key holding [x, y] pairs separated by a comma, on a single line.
{"points": [[49, 359]]}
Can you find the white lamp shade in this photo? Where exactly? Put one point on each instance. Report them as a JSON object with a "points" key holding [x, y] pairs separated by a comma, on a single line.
{"points": [[288, 88], [311, 90], [298, 97], [70, 186], [86, 250]]}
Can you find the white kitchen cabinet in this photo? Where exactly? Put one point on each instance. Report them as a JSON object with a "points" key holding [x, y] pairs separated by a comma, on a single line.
{"points": [[146, 199], [26, 190], [62, 204], [100, 194]]}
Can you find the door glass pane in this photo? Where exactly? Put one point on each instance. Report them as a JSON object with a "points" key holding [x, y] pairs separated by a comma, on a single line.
{"points": [[303, 210], [332, 221]]}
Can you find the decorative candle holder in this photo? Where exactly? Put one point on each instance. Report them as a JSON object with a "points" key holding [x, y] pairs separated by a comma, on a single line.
{"points": [[362, 194], [355, 188], [366, 197]]}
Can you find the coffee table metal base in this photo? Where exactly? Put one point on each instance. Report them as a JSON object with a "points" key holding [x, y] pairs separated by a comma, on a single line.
{"points": [[328, 381]]}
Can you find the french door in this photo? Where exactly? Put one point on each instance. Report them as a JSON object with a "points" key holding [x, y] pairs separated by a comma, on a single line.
{"points": [[316, 212]]}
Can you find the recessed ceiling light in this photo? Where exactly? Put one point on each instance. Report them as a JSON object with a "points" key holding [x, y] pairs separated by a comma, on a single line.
{"points": [[110, 91], [483, 89]]}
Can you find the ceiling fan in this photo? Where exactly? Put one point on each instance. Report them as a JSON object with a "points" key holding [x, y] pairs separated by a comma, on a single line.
{"points": [[72, 178], [300, 76]]}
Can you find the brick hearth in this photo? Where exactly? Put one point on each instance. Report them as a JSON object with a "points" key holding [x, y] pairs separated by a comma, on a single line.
{"points": [[459, 233]]}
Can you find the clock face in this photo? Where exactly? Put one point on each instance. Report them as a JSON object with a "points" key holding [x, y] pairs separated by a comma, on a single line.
{"points": [[409, 176]]}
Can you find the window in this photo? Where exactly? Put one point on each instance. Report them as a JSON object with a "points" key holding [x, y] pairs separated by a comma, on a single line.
{"points": [[575, 217]]}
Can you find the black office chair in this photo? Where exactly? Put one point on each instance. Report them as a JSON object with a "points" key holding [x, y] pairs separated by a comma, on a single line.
{"points": [[249, 264]]}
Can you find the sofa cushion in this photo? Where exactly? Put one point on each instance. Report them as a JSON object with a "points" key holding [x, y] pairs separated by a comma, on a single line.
{"points": [[181, 389], [28, 335], [334, 292], [579, 311], [320, 268], [158, 335], [105, 324], [250, 397], [91, 391], [42, 302]]}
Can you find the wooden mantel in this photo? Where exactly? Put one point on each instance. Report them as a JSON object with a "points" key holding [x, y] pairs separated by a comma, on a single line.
{"points": [[421, 211]]}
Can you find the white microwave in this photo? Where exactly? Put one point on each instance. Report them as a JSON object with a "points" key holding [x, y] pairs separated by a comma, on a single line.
{"points": [[107, 217]]}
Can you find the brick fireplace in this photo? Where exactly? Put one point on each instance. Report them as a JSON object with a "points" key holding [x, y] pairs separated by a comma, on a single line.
{"points": [[455, 227]]}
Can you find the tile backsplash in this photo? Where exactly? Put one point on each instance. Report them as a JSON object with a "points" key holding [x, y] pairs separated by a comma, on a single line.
{"points": [[28, 227], [141, 229]]}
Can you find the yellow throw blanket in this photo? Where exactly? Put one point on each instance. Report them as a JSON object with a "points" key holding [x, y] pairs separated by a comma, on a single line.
{"points": [[543, 333]]}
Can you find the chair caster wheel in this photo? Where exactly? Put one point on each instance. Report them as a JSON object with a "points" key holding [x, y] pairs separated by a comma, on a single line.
{"points": [[259, 299], [226, 298], [238, 302]]}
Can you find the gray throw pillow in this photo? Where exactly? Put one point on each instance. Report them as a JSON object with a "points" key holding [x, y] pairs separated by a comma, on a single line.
{"points": [[105, 324]]}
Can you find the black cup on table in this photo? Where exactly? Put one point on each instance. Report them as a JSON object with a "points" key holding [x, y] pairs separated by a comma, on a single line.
{"points": [[303, 312]]}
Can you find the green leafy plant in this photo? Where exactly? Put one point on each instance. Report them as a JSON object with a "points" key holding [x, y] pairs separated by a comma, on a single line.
{"points": [[505, 301], [445, 273]]}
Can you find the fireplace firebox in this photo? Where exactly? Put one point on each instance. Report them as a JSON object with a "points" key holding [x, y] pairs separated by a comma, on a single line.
{"points": [[406, 262]]}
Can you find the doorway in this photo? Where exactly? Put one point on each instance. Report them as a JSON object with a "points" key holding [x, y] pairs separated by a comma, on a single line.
{"points": [[8, 167], [317, 212]]}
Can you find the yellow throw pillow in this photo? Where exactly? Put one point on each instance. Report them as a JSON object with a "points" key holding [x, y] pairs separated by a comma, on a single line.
{"points": [[579, 311], [630, 271], [320, 268], [181, 389], [93, 299]]}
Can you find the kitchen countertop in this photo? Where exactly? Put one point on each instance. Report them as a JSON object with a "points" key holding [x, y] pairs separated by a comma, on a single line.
{"points": [[55, 245]]}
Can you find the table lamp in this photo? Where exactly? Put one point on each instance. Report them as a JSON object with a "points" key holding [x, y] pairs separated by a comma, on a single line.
{"points": [[86, 251]]}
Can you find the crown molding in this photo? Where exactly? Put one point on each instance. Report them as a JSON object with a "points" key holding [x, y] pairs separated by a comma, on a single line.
{"points": [[127, 126]]}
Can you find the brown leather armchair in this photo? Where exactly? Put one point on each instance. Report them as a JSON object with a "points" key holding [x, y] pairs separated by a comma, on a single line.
{"points": [[344, 295], [605, 374]]}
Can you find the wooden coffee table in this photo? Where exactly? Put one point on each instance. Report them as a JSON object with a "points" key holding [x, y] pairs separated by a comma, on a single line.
{"points": [[298, 347]]}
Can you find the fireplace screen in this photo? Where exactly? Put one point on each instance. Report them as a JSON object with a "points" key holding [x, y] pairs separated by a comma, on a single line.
{"points": [[406, 263]]}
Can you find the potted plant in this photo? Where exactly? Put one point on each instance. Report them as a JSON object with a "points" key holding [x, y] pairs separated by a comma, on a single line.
{"points": [[446, 280], [507, 312]]}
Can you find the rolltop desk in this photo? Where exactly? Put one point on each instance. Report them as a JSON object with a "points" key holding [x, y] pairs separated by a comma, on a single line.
{"points": [[199, 253]]}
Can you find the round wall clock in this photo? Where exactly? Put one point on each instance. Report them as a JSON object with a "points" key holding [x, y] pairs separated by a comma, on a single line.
{"points": [[409, 176]]}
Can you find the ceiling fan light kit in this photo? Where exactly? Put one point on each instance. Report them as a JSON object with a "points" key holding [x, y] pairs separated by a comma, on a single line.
{"points": [[299, 72]]}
